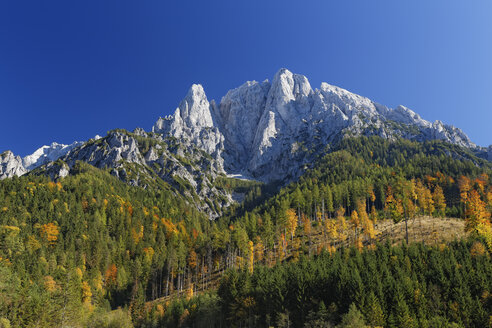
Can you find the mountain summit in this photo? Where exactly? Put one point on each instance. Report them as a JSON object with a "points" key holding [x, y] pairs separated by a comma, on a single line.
{"points": [[268, 130]]}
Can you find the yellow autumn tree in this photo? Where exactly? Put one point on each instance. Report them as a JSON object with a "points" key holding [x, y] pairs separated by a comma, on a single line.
{"points": [[354, 219], [464, 185], [259, 249], [137, 234], [282, 247], [393, 207], [86, 294], [476, 211], [50, 284], [478, 217], [341, 223], [361, 211], [439, 200], [251, 257], [291, 222], [374, 215], [189, 292], [306, 225], [331, 228]]}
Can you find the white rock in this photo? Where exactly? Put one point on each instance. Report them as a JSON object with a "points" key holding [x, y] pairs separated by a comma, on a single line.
{"points": [[10, 165], [47, 154], [255, 126]]}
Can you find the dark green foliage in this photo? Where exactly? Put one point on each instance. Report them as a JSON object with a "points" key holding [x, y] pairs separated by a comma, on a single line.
{"points": [[415, 286]]}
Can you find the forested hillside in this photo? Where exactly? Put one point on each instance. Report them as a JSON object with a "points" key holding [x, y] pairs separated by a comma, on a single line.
{"points": [[415, 286], [75, 248]]}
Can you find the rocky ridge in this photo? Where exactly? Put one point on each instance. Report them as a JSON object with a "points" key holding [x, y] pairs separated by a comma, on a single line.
{"points": [[269, 131], [147, 160], [12, 165], [266, 131]]}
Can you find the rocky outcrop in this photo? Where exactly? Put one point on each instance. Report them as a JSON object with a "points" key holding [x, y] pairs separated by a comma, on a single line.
{"points": [[193, 125], [10, 165], [107, 152], [140, 160]]}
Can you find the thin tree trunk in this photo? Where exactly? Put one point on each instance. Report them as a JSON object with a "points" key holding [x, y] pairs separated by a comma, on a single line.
{"points": [[406, 230]]}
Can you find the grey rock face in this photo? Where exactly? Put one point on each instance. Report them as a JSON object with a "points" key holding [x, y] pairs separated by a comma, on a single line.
{"points": [[239, 114], [54, 170], [182, 165], [107, 152], [270, 130], [10, 165]]}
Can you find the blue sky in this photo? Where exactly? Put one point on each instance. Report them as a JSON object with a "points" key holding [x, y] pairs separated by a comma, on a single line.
{"points": [[72, 69]]}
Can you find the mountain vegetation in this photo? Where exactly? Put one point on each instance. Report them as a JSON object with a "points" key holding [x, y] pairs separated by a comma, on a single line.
{"points": [[90, 250]]}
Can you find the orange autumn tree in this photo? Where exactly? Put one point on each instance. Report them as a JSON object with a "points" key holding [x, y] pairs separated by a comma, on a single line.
{"points": [[192, 259], [110, 275], [50, 233]]}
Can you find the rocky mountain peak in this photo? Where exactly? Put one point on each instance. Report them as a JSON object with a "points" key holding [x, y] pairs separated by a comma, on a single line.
{"points": [[192, 115], [289, 94], [194, 109], [268, 130], [10, 165]]}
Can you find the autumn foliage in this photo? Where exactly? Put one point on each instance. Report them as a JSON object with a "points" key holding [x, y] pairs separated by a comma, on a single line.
{"points": [[49, 232]]}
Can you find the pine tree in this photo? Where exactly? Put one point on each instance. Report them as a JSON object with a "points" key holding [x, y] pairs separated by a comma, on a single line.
{"points": [[352, 319]]}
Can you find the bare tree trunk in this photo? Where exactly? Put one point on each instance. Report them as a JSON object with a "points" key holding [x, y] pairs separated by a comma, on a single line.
{"points": [[323, 210], [406, 229], [167, 280]]}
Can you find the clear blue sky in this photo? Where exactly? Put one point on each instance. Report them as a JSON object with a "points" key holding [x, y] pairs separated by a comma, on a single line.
{"points": [[72, 69]]}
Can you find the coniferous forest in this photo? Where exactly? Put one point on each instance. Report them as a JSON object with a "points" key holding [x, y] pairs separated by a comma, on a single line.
{"points": [[89, 250]]}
